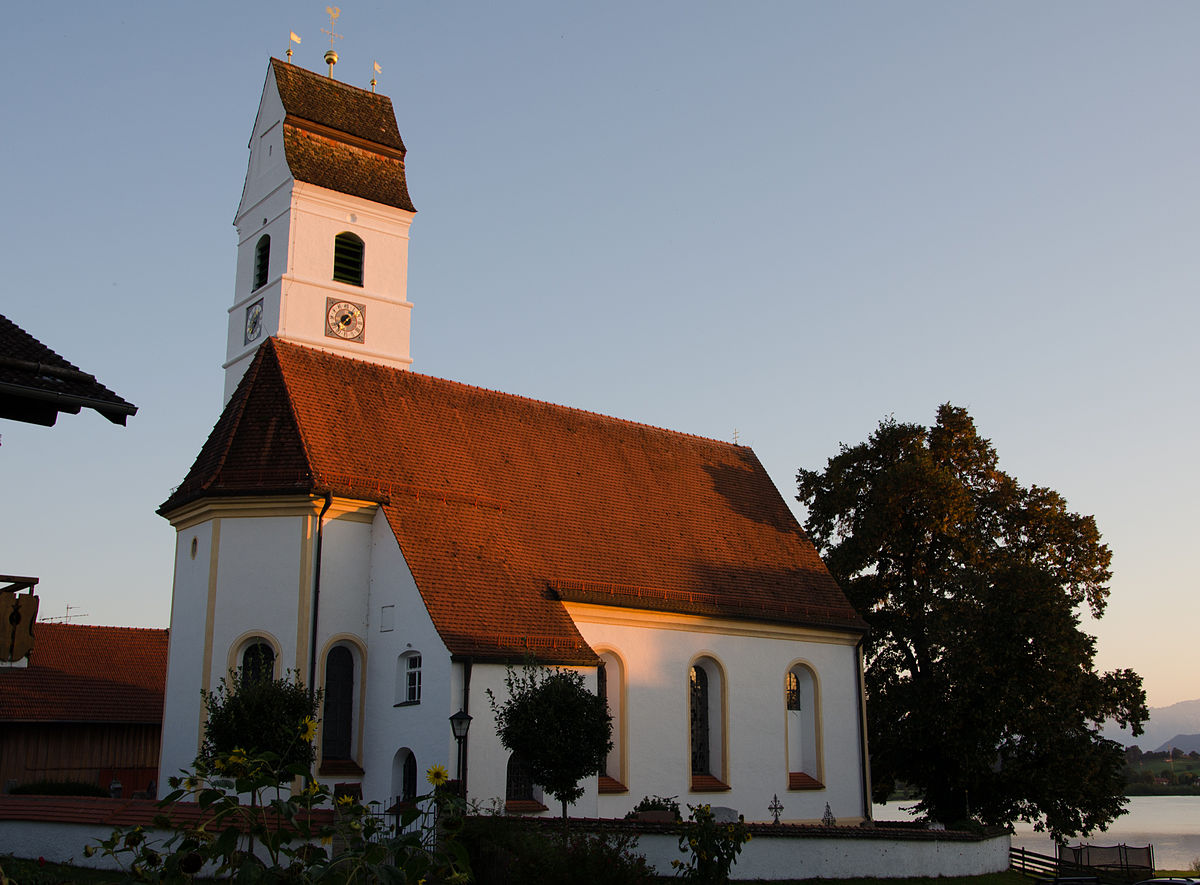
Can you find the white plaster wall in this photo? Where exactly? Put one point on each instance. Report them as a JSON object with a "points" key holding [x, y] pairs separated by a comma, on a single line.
{"points": [[769, 857], [259, 581], [423, 728], [318, 216], [657, 661], [185, 652], [763, 858]]}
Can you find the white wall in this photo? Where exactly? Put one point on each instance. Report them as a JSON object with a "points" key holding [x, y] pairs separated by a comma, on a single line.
{"points": [[658, 651], [423, 728], [185, 654], [766, 857]]}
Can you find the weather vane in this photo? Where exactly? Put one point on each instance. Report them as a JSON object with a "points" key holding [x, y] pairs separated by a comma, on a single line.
{"points": [[331, 56], [378, 69], [293, 38]]}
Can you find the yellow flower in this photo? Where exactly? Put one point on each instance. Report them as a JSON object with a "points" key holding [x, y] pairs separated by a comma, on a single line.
{"points": [[437, 775], [345, 800], [308, 729]]}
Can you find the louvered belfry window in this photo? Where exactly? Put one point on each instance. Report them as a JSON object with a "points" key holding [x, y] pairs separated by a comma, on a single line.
{"points": [[348, 259], [262, 261]]}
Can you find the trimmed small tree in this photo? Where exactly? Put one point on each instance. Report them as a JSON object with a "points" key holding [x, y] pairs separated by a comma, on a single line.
{"points": [[256, 715], [562, 731]]}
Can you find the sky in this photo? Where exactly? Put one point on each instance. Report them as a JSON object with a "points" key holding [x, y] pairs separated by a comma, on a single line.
{"points": [[780, 220]]}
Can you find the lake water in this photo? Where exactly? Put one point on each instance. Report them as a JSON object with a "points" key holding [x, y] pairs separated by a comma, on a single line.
{"points": [[1170, 823]]}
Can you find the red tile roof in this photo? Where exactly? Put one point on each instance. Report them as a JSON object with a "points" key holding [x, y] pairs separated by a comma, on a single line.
{"points": [[80, 673], [505, 506], [341, 137]]}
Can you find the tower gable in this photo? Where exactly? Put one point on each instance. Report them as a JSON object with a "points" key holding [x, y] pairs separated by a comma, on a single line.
{"points": [[326, 161]]}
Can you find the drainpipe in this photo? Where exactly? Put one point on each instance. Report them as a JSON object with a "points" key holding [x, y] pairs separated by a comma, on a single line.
{"points": [[862, 728], [312, 645], [466, 706]]}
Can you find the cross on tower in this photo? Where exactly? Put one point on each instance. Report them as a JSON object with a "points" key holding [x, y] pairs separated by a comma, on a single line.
{"points": [[331, 56]]}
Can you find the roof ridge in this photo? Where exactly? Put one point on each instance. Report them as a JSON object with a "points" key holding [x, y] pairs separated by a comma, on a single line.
{"points": [[39, 624], [528, 399], [287, 65]]}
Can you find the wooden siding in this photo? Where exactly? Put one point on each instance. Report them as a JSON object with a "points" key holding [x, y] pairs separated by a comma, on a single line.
{"points": [[89, 752]]}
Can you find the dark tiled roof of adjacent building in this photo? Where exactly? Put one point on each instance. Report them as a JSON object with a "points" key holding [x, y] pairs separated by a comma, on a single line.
{"points": [[504, 507], [341, 137], [36, 383], [80, 673]]}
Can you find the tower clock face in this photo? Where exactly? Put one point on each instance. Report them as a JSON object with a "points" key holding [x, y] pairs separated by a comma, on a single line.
{"points": [[254, 325], [345, 320]]}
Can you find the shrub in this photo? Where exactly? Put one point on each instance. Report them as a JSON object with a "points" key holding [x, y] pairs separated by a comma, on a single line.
{"points": [[258, 715], [656, 803], [504, 851], [276, 839]]}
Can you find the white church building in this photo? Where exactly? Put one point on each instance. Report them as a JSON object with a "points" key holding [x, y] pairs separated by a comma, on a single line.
{"points": [[399, 539]]}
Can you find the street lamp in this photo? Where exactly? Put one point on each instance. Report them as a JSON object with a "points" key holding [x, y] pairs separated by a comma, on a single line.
{"points": [[460, 724]]}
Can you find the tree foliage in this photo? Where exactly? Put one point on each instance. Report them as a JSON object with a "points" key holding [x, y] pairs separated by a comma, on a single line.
{"points": [[561, 730], [981, 685], [256, 714]]}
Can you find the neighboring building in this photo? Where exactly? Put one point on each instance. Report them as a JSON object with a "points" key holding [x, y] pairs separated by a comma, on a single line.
{"points": [[86, 705], [399, 538], [36, 383]]}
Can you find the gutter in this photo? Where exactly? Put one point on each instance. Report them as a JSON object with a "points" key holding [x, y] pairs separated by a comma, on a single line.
{"points": [[312, 643], [865, 767]]}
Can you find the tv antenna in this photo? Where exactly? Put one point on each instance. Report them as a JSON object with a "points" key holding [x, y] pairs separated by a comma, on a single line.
{"points": [[66, 619]]}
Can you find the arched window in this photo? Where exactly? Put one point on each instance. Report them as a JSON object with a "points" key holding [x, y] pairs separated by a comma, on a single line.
{"points": [[707, 725], [258, 661], [803, 741], [521, 794], [404, 776], [338, 720], [262, 261], [408, 678], [408, 786], [610, 685], [701, 747], [348, 259]]}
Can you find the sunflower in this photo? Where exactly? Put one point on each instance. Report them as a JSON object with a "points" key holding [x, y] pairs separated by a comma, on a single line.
{"points": [[308, 729], [437, 775]]}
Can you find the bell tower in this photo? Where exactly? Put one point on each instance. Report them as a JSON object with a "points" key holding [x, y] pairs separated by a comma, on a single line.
{"points": [[322, 225]]}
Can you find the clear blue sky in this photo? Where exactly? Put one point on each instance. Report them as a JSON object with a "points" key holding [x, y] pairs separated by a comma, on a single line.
{"points": [[792, 219]]}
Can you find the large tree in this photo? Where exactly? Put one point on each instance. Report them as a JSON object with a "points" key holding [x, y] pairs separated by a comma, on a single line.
{"points": [[559, 729], [981, 687]]}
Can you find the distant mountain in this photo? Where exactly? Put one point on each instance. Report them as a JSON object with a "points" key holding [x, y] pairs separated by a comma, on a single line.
{"points": [[1185, 742], [1166, 725]]}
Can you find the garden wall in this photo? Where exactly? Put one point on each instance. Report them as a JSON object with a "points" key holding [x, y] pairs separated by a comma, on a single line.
{"points": [[58, 829]]}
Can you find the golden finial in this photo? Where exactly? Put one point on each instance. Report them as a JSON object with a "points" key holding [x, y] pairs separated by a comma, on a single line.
{"points": [[294, 38], [331, 56], [378, 70]]}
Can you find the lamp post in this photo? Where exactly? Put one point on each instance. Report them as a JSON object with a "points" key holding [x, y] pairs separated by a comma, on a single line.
{"points": [[460, 724]]}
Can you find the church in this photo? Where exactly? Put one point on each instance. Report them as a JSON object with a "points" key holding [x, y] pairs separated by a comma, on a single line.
{"points": [[399, 539]]}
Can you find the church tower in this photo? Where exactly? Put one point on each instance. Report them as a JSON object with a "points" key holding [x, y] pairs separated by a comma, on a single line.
{"points": [[322, 225]]}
